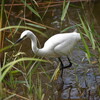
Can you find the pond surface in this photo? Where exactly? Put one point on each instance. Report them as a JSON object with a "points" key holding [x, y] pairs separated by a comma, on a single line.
{"points": [[82, 79]]}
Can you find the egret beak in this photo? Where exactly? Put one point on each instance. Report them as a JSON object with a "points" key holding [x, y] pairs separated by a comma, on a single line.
{"points": [[19, 40]]}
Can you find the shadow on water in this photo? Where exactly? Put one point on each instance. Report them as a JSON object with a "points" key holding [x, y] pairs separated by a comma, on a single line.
{"points": [[82, 79]]}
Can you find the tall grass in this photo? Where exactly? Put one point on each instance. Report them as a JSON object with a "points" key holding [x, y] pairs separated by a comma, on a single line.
{"points": [[90, 34], [31, 8], [65, 9], [27, 71], [21, 76], [9, 68], [1, 43]]}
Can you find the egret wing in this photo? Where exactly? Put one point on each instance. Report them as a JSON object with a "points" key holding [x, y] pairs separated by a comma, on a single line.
{"points": [[65, 47]]}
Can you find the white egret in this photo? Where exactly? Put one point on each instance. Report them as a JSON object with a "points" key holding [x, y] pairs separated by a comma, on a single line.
{"points": [[56, 46]]}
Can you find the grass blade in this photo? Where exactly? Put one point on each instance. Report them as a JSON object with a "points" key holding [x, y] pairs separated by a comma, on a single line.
{"points": [[34, 25], [65, 9], [71, 27], [88, 31], [8, 66], [31, 9], [24, 27], [86, 46]]}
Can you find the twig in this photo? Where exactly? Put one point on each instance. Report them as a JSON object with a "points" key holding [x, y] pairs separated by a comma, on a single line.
{"points": [[46, 3], [15, 94], [28, 20]]}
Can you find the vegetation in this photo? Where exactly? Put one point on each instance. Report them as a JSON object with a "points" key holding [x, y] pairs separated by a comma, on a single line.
{"points": [[24, 75]]}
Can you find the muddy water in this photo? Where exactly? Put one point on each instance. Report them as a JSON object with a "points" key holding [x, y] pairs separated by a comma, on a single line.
{"points": [[82, 79]]}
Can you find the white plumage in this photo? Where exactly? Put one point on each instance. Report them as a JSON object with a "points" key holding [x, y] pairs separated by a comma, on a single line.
{"points": [[56, 46]]}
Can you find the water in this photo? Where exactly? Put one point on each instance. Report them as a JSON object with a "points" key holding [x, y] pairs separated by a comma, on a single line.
{"points": [[80, 81]]}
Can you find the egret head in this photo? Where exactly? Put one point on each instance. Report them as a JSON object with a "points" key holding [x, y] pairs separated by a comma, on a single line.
{"points": [[24, 35]]}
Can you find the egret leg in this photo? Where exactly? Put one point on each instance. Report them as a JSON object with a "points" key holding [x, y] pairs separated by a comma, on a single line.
{"points": [[61, 68], [70, 64]]}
